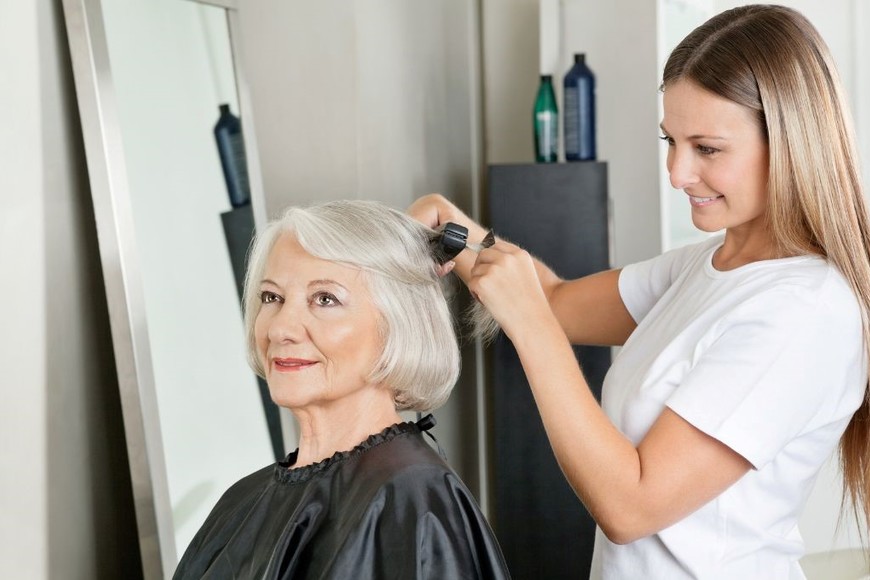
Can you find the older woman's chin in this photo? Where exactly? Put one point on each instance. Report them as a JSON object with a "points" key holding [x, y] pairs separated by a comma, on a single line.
{"points": [[368, 399]]}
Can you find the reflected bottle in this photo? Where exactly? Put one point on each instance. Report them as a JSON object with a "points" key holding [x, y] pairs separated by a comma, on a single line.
{"points": [[579, 93], [231, 147], [546, 123]]}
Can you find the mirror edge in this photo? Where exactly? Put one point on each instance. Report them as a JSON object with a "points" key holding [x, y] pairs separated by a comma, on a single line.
{"points": [[107, 176]]}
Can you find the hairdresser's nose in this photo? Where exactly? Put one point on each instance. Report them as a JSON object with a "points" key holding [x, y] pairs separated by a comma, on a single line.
{"points": [[682, 166]]}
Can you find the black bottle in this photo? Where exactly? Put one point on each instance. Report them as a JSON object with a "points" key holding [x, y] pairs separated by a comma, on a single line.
{"points": [[231, 147]]}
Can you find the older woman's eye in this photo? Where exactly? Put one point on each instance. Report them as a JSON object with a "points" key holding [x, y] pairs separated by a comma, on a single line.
{"points": [[325, 299], [267, 297]]}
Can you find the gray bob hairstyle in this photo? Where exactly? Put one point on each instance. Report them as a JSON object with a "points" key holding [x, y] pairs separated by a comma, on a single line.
{"points": [[420, 359]]}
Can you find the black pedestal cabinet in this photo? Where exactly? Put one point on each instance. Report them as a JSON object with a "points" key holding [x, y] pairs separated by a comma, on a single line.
{"points": [[559, 212]]}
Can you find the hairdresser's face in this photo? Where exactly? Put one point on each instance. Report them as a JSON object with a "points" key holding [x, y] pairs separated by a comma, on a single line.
{"points": [[317, 330], [718, 156]]}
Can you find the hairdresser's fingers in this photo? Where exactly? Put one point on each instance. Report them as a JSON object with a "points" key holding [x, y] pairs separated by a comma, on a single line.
{"points": [[505, 264], [432, 210], [504, 280], [503, 254], [496, 251]]}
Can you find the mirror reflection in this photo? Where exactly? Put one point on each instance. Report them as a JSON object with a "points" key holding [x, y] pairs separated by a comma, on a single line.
{"points": [[172, 69]]}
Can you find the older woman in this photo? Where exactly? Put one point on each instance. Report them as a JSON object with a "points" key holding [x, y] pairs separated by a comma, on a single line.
{"points": [[347, 322]]}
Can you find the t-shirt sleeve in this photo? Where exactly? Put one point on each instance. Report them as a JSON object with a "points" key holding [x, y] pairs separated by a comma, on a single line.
{"points": [[780, 365], [642, 284]]}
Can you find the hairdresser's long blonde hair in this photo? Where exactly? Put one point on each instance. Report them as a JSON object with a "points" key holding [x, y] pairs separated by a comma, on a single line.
{"points": [[772, 60]]}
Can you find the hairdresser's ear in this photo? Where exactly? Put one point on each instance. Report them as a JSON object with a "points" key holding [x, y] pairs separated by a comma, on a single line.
{"points": [[444, 269]]}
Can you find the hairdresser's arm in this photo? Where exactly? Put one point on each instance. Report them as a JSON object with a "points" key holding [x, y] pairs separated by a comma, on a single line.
{"points": [[631, 490], [589, 309]]}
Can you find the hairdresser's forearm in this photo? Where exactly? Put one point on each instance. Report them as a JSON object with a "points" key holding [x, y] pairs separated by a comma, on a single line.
{"points": [[589, 309], [602, 465]]}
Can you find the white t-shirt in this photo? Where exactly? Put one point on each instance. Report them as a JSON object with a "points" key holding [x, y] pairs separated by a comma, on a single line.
{"points": [[767, 358]]}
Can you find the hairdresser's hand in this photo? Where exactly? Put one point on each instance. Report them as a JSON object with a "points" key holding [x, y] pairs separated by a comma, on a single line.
{"points": [[504, 280], [434, 210]]}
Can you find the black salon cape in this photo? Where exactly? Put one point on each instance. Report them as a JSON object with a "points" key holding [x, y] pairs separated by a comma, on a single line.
{"points": [[390, 508]]}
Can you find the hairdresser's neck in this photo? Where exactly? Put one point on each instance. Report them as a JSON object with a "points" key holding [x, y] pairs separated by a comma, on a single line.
{"points": [[744, 245], [329, 427]]}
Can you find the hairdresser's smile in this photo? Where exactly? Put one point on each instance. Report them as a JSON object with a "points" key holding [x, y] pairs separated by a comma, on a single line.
{"points": [[703, 201]]}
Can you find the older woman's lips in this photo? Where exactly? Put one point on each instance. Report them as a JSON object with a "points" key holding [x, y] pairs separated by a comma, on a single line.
{"points": [[290, 365]]}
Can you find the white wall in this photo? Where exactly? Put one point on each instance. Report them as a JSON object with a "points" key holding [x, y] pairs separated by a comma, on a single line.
{"points": [[510, 78], [371, 98], [64, 488], [23, 341]]}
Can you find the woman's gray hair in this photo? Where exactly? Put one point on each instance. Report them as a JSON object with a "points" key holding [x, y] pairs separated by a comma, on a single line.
{"points": [[420, 359]]}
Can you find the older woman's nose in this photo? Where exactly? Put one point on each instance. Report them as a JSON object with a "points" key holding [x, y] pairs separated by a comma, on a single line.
{"points": [[287, 324], [681, 167]]}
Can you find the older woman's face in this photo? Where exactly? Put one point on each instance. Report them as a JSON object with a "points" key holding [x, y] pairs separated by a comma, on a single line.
{"points": [[317, 329]]}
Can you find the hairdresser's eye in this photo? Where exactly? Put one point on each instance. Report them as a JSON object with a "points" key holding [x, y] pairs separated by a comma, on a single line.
{"points": [[667, 140], [267, 297], [704, 150], [324, 299]]}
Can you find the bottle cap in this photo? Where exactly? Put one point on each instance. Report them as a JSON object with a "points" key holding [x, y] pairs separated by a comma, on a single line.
{"points": [[546, 77], [579, 58]]}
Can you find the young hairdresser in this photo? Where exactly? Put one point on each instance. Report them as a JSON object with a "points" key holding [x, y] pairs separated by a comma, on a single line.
{"points": [[744, 359]]}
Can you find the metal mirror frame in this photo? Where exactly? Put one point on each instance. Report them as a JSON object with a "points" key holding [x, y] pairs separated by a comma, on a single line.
{"points": [[121, 270]]}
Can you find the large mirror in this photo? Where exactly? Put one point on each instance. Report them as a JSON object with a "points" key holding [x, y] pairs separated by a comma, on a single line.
{"points": [[152, 79]]}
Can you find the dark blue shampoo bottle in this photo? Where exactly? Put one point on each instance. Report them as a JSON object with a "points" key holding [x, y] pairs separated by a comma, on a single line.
{"points": [[231, 147], [579, 115]]}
